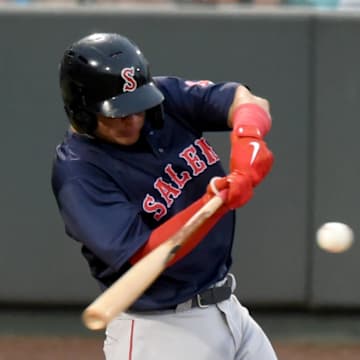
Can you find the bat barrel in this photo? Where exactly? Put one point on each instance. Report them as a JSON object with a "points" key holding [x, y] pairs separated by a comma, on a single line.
{"points": [[94, 320], [124, 292]]}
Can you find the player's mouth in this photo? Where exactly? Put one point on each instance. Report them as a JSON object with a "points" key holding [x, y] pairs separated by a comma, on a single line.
{"points": [[124, 131], [129, 131]]}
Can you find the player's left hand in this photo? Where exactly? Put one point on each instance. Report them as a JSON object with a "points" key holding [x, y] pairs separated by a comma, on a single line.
{"points": [[238, 189], [250, 155]]}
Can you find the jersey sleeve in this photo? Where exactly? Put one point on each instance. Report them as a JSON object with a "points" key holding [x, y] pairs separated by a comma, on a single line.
{"points": [[100, 217], [203, 104]]}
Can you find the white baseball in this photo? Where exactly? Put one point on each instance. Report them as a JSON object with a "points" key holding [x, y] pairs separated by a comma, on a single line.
{"points": [[335, 237]]}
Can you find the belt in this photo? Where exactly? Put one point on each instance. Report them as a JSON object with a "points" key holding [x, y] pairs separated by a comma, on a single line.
{"points": [[211, 296], [220, 291]]}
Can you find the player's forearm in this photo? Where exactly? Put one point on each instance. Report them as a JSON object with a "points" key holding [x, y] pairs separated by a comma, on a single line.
{"points": [[251, 121], [249, 111]]}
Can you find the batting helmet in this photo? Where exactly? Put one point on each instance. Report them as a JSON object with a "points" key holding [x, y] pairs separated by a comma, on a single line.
{"points": [[107, 74]]}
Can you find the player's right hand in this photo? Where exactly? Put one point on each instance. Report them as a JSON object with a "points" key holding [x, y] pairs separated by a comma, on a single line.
{"points": [[238, 186]]}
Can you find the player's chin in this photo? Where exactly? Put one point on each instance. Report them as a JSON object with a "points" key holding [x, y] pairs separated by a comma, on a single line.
{"points": [[127, 140]]}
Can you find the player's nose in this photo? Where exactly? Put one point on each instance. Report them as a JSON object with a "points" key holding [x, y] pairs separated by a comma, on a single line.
{"points": [[132, 117]]}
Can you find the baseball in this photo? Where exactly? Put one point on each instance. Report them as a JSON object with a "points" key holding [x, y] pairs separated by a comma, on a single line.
{"points": [[335, 237]]}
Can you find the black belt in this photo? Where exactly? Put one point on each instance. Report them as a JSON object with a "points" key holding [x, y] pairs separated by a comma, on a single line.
{"points": [[205, 298], [213, 295]]}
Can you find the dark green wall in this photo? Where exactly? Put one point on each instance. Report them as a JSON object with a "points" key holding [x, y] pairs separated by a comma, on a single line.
{"points": [[305, 64]]}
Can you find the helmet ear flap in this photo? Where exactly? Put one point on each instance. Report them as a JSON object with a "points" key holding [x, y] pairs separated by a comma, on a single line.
{"points": [[82, 120]]}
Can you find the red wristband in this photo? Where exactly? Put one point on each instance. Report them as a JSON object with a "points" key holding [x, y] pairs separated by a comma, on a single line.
{"points": [[251, 120]]}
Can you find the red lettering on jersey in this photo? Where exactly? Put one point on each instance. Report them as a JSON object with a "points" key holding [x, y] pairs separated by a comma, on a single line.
{"points": [[179, 181], [167, 191], [208, 151], [152, 206], [192, 159], [128, 75]]}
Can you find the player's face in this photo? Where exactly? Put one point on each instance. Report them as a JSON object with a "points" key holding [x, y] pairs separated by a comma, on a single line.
{"points": [[123, 131]]}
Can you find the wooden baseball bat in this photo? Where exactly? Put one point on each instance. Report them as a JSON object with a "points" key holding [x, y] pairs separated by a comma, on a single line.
{"points": [[130, 286]]}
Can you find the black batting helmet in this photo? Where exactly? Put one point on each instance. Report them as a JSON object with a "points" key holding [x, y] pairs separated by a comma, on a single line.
{"points": [[106, 74]]}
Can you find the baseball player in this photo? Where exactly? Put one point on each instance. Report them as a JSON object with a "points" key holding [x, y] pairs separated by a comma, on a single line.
{"points": [[133, 167]]}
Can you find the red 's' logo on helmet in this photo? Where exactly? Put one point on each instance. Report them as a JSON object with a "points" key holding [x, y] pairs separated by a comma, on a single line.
{"points": [[128, 75]]}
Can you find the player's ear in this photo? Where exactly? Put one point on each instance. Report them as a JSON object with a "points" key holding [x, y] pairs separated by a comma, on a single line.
{"points": [[83, 121]]}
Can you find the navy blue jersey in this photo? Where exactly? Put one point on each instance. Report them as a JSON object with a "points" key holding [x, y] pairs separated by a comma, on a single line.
{"points": [[111, 197]]}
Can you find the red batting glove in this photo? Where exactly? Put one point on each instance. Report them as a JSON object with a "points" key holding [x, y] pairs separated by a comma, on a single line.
{"points": [[238, 188], [249, 152]]}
